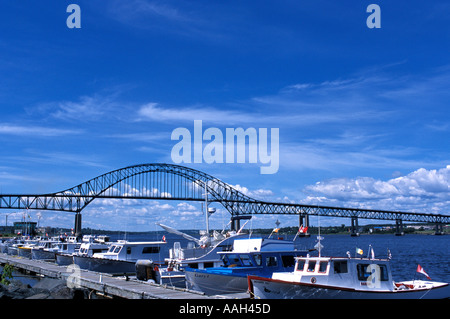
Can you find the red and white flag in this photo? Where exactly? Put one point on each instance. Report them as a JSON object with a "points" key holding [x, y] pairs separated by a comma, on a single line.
{"points": [[302, 230], [420, 269]]}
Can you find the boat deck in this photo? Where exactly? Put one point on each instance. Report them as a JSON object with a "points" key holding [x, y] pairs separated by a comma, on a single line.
{"points": [[107, 284]]}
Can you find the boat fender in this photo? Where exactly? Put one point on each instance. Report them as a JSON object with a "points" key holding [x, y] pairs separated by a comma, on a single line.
{"points": [[313, 280]]}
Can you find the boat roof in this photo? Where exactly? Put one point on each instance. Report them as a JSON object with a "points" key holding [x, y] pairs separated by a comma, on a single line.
{"points": [[253, 245], [125, 242], [322, 258]]}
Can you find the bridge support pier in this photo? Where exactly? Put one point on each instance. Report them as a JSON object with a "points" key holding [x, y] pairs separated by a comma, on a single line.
{"points": [[399, 227], [77, 228], [439, 229], [236, 221], [354, 229], [303, 220]]}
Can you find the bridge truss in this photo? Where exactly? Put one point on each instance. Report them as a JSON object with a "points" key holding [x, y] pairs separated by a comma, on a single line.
{"points": [[175, 182]]}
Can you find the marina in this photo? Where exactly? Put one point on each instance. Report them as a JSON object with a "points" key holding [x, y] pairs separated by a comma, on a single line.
{"points": [[242, 259], [106, 284]]}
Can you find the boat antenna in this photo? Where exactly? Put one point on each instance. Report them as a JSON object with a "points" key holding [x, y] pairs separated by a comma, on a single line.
{"points": [[318, 237], [319, 246], [206, 207]]}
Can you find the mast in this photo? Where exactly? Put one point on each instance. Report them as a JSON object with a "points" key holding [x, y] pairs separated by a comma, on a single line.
{"points": [[206, 208]]}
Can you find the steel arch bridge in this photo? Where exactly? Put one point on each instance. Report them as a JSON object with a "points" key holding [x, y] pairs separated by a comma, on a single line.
{"points": [[175, 182]]}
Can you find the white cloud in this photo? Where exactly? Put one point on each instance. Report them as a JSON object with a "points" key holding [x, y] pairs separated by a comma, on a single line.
{"points": [[153, 112], [262, 194], [31, 130], [422, 190]]}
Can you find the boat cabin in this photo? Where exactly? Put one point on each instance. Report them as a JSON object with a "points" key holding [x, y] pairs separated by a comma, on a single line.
{"points": [[90, 248], [132, 251], [351, 273], [271, 254]]}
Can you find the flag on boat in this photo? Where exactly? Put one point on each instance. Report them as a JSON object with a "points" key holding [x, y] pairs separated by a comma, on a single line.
{"points": [[302, 230], [420, 269], [275, 230], [359, 251], [164, 238]]}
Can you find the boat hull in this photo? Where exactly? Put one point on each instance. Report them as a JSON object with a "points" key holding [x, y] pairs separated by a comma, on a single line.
{"points": [[24, 252], [40, 254], [13, 251], [267, 288], [64, 260], [110, 266], [215, 284], [171, 278]]}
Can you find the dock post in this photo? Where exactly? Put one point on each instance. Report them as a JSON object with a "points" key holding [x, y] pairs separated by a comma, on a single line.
{"points": [[355, 227], [399, 227]]}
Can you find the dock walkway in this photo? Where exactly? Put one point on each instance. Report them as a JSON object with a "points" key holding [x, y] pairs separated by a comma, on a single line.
{"points": [[104, 283]]}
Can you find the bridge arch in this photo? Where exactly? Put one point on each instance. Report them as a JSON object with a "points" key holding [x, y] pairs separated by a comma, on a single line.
{"points": [[155, 181]]}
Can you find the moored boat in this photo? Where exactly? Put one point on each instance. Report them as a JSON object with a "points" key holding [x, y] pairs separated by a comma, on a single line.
{"points": [[342, 278], [121, 257], [258, 256]]}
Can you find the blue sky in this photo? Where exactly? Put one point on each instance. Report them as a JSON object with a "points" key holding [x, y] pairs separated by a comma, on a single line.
{"points": [[362, 113]]}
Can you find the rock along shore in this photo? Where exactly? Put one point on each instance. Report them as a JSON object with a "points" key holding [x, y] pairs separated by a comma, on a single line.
{"points": [[46, 288]]}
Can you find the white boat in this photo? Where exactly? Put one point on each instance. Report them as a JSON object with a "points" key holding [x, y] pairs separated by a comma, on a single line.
{"points": [[204, 254], [87, 249], [342, 278], [258, 256], [65, 252], [121, 257], [26, 248], [42, 251]]}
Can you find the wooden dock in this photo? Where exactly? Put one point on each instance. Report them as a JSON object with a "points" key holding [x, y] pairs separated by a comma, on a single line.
{"points": [[106, 284]]}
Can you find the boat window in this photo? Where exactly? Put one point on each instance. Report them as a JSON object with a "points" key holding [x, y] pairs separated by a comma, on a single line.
{"points": [[258, 259], [340, 267], [271, 261], [128, 250], [311, 265], [150, 250], [246, 261], [379, 270], [224, 260], [288, 261], [300, 265], [233, 259], [117, 249], [323, 266]]}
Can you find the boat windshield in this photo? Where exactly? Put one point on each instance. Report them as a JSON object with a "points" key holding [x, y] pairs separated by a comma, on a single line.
{"points": [[114, 249], [241, 260], [366, 270]]}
